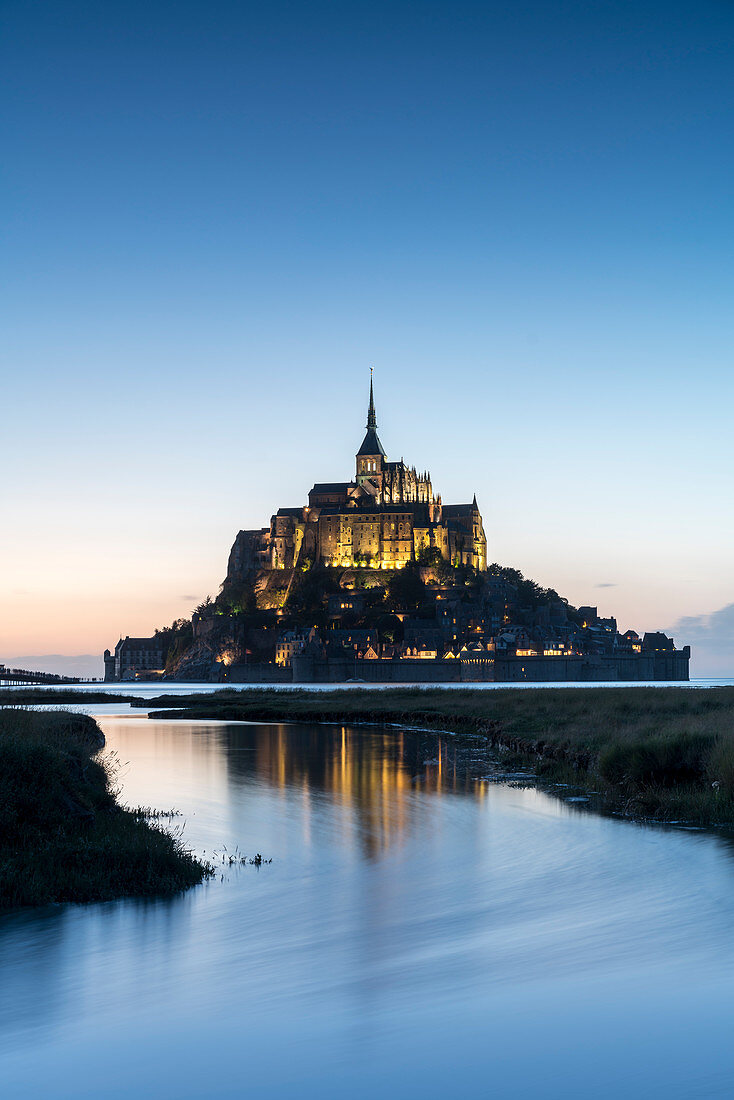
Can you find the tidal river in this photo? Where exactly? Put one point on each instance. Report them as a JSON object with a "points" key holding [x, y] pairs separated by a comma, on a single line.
{"points": [[418, 933]]}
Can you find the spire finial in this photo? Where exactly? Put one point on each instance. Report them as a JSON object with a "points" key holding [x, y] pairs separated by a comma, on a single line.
{"points": [[371, 418]]}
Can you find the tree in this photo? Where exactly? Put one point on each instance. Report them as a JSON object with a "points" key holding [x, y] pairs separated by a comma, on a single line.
{"points": [[390, 629], [237, 598], [430, 555], [405, 587]]}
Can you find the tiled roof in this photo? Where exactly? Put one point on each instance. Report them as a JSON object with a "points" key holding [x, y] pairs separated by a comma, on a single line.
{"points": [[371, 444]]}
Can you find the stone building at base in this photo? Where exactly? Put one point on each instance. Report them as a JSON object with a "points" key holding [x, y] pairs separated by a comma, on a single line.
{"points": [[382, 519], [136, 658]]}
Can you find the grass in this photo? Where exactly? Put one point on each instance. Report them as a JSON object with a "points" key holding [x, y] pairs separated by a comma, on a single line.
{"points": [[653, 753], [25, 696], [63, 835]]}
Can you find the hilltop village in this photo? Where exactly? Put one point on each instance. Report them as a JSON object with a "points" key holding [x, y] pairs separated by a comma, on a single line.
{"points": [[376, 579]]}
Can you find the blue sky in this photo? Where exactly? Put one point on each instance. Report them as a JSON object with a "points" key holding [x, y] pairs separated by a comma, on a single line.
{"points": [[218, 216]]}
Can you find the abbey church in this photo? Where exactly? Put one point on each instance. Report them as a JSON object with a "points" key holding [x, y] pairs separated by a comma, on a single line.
{"points": [[382, 519]]}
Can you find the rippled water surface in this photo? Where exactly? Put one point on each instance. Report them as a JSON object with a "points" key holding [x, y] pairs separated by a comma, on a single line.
{"points": [[417, 934]]}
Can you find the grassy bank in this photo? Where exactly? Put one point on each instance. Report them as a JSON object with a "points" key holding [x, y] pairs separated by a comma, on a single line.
{"points": [[63, 837], [27, 696], [654, 753]]}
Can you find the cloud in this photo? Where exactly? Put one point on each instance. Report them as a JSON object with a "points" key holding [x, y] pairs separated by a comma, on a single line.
{"points": [[606, 584], [711, 638], [190, 599]]}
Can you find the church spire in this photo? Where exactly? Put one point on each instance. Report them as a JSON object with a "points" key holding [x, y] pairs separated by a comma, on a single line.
{"points": [[371, 418], [371, 455]]}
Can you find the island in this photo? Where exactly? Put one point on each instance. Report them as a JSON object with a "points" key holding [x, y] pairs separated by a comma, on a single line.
{"points": [[376, 579]]}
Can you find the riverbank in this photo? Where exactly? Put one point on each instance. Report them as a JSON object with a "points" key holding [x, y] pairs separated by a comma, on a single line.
{"points": [[39, 696], [63, 836], [664, 754]]}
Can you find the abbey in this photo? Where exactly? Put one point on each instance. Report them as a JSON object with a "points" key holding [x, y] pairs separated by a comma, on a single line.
{"points": [[323, 595], [387, 516]]}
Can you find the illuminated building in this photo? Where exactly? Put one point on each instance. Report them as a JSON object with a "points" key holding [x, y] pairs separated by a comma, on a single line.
{"points": [[382, 519]]}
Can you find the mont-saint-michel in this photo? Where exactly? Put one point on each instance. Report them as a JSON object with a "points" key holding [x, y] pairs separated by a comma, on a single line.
{"points": [[376, 579]]}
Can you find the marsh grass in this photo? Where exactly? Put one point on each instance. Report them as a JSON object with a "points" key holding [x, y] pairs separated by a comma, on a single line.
{"points": [[26, 696], [63, 836]]}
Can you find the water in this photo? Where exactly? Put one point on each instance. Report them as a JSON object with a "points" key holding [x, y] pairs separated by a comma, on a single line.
{"points": [[417, 934], [149, 690]]}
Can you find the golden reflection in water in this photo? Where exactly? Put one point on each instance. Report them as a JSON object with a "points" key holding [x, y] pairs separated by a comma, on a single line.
{"points": [[374, 776], [377, 777]]}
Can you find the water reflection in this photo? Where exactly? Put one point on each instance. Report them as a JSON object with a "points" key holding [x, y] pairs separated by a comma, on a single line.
{"points": [[418, 934], [374, 775]]}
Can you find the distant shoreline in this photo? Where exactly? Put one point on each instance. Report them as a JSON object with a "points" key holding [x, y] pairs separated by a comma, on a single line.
{"points": [[125, 691]]}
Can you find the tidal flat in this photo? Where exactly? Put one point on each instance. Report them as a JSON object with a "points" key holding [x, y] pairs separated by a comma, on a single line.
{"points": [[663, 754], [417, 930], [648, 753]]}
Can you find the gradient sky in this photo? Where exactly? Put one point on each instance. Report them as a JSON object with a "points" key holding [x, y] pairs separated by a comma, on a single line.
{"points": [[218, 215]]}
